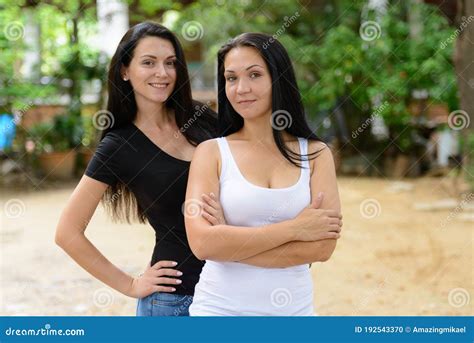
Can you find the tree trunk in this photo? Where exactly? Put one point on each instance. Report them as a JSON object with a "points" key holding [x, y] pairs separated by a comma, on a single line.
{"points": [[464, 65]]}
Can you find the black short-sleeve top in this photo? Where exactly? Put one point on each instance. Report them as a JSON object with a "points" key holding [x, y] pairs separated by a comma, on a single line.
{"points": [[158, 181]]}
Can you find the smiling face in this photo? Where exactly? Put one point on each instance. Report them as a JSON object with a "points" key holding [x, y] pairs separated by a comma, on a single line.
{"points": [[152, 70], [248, 83]]}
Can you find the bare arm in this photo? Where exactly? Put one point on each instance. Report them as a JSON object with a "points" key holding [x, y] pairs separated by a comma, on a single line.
{"points": [[323, 179], [70, 236], [223, 242]]}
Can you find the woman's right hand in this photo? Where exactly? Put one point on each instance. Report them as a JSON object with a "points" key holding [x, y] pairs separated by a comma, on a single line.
{"points": [[156, 279], [314, 224]]}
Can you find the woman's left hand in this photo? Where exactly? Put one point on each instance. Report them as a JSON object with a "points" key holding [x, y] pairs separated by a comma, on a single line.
{"points": [[212, 210]]}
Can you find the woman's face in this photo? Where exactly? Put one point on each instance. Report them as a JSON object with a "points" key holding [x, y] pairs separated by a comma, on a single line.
{"points": [[152, 70], [248, 83]]}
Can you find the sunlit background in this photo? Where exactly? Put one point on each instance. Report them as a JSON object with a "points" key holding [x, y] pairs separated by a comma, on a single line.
{"points": [[389, 84]]}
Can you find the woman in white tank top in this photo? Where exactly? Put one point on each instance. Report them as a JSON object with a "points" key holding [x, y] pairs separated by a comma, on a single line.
{"points": [[268, 170]]}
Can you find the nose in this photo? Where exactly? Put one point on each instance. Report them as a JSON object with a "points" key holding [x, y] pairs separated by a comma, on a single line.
{"points": [[243, 86], [160, 71]]}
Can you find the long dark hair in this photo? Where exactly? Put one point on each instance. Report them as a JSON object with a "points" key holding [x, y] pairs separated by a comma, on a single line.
{"points": [[118, 200], [287, 106]]}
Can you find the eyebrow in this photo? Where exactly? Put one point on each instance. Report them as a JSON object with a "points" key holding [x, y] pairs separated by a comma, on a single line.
{"points": [[152, 56], [253, 65]]}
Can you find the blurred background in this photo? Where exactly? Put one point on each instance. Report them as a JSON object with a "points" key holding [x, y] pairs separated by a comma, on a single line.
{"points": [[388, 83]]}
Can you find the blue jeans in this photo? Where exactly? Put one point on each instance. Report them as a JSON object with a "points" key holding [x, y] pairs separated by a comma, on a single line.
{"points": [[164, 304]]}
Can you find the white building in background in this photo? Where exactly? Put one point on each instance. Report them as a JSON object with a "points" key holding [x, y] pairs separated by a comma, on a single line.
{"points": [[447, 144], [112, 22], [31, 37], [112, 17]]}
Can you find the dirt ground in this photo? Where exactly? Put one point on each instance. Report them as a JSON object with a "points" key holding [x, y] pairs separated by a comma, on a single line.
{"points": [[405, 250]]}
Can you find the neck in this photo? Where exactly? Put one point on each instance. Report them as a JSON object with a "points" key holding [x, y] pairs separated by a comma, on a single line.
{"points": [[153, 115], [258, 129]]}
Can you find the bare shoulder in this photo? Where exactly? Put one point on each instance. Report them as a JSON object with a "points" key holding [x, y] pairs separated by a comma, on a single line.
{"points": [[207, 149], [207, 156], [323, 158], [318, 147]]}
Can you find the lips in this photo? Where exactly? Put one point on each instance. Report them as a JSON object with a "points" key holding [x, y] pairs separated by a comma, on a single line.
{"points": [[246, 102], [158, 85]]}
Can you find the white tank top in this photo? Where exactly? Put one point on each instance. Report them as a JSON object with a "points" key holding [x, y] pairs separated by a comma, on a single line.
{"points": [[237, 289]]}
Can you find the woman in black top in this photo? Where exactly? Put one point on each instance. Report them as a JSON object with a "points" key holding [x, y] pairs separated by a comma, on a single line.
{"points": [[140, 169]]}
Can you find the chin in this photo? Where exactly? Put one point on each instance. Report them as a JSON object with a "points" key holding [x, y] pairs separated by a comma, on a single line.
{"points": [[249, 113], [161, 98]]}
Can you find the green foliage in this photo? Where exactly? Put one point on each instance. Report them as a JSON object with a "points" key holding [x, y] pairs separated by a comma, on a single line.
{"points": [[333, 62], [15, 92], [63, 56], [63, 133]]}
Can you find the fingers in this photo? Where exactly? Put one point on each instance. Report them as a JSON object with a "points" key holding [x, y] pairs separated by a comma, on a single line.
{"points": [[164, 264], [331, 235], [211, 219], [209, 209], [167, 272], [334, 221], [334, 214], [164, 289], [211, 200], [166, 281], [334, 235]]}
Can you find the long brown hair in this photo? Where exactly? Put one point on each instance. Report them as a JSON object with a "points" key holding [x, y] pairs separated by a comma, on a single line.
{"points": [[287, 106], [118, 200]]}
